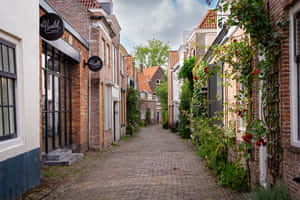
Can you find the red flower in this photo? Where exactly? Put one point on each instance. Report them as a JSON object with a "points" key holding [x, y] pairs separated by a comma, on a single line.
{"points": [[195, 78], [249, 136], [264, 143], [224, 47], [230, 8], [246, 139], [245, 110], [260, 139], [239, 113], [236, 52], [206, 69], [258, 143], [255, 72], [234, 40]]}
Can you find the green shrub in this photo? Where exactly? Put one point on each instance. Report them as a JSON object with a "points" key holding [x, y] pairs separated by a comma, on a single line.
{"points": [[142, 124], [184, 107], [277, 192], [165, 125], [129, 130], [234, 176]]}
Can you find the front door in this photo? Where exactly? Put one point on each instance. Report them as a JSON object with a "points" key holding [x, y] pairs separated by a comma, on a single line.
{"points": [[157, 117], [56, 99]]}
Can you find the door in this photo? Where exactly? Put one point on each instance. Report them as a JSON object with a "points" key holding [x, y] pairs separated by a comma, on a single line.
{"points": [[157, 117], [56, 99], [117, 134]]}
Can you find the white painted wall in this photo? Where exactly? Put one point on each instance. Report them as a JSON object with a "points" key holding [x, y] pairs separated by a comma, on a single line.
{"points": [[22, 29]]}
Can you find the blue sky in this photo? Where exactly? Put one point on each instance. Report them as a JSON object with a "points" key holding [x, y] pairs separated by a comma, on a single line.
{"points": [[142, 20]]}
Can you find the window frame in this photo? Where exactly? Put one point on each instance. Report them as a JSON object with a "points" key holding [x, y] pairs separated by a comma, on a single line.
{"points": [[294, 79], [9, 76]]}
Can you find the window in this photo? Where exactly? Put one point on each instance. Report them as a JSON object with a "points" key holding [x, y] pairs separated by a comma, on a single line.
{"points": [[107, 54], [8, 79], [56, 99], [103, 50], [143, 95], [157, 82], [295, 74], [108, 108]]}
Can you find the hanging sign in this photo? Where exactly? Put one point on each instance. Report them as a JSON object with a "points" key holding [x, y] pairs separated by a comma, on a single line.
{"points": [[51, 26], [94, 63]]}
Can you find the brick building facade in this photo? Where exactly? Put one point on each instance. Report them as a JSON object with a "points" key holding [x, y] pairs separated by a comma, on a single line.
{"points": [[147, 80]]}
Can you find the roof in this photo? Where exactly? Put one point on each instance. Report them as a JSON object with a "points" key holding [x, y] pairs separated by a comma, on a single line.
{"points": [[143, 82], [129, 65], [173, 58], [143, 78], [209, 21], [90, 3], [149, 72]]}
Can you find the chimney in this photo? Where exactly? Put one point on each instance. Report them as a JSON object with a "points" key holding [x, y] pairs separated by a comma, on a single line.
{"points": [[141, 67]]}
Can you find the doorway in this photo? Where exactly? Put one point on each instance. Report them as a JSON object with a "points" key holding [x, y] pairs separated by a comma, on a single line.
{"points": [[56, 99]]}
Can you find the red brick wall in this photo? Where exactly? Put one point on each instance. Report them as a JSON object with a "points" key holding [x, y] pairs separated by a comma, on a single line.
{"points": [[79, 94], [291, 158], [74, 13]]}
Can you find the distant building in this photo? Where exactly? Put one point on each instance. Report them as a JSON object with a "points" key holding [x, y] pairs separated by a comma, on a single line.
{"points": [[148, 79]]}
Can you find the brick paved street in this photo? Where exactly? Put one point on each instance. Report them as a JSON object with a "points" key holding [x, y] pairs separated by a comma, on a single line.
{"points": [[154, 165]]}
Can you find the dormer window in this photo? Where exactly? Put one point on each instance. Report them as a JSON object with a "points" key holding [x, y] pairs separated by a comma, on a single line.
{"points": [[157, 82]]}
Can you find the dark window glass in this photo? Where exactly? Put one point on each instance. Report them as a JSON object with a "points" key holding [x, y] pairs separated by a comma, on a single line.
{"points": [[8, 78]]}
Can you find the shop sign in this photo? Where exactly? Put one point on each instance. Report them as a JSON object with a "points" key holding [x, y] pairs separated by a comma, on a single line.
{"points": [[94, 63], [51, 26]]}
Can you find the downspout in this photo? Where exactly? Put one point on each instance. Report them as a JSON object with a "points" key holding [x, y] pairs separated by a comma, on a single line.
{"points": [[89, 92]]}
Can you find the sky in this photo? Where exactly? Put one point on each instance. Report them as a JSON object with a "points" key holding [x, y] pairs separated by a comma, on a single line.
{"points": [[166, 20]]}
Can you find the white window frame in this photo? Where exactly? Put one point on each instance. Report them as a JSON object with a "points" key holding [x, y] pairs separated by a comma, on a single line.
{"points": [[103, 50], [295, 141], [108, 108]]}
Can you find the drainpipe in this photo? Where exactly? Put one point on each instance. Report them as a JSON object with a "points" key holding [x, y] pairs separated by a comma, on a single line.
{"points": [[89, 91]]}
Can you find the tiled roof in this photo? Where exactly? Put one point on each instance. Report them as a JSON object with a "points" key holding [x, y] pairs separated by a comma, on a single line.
{"points": [[145, 77], [209, 21], [129, 65], [90, 3], [143, 82], [149, 72], [173, 58]]}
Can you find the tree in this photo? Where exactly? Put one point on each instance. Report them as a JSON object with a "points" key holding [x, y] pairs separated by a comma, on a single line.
{"points": [[155, 53], [162, 94]]}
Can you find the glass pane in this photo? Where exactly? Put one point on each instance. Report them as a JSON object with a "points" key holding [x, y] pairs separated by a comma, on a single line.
{"points": [[62, 94], [11, 60], [1, 57], [43, 91], [43, 60], [62, 127], [50, 93], [5, 58], [10, 92], [4, 91], [297, 34], [6, 121], [1, 123], [12, 120], [56, 93], [56, 65], [50, 125], [57, 133]]}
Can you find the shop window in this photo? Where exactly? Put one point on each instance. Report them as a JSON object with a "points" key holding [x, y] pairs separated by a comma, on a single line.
{"points": [[56, 99], [8, 79]]}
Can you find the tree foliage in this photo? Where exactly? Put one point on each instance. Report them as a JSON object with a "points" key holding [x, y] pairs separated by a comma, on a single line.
{"points": [[155, 53], [162, 94], [132, 110], [186, 72]]}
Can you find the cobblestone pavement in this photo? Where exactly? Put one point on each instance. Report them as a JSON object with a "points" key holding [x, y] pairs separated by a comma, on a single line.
{"points": [[156, 165]]}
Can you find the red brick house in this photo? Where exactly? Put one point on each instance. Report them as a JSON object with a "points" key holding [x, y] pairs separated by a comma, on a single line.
{"points": [[147, 80]]}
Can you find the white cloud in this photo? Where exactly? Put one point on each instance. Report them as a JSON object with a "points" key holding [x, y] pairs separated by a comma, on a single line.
{"points": [[141, 20]]}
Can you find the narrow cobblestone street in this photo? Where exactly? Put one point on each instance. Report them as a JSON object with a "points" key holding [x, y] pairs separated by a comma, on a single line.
{"points": [[156, 165]]}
